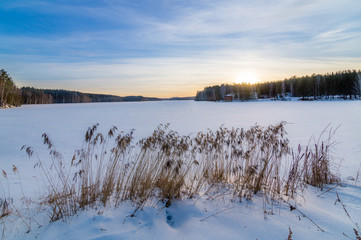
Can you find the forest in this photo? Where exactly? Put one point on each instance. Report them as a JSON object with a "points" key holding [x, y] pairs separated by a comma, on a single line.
{"points": [[11, 95], [343, 84], [47, 96]]}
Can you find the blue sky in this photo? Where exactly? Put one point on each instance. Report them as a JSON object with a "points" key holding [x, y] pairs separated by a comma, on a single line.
{"points": [[173, 48]]}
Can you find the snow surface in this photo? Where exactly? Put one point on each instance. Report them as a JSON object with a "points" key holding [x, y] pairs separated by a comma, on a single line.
{"points": [[67, 123]]}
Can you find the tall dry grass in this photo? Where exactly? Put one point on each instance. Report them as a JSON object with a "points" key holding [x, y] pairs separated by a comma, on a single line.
{"points": [[312, 164], [167, 166]]}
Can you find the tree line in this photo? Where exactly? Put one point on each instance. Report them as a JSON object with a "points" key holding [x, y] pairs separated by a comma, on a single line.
{"points": [[11, 95], [48, 96], [343, 84]]}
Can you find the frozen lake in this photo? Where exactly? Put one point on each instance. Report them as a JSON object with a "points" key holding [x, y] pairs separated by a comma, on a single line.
{"points": [[66, 124]]}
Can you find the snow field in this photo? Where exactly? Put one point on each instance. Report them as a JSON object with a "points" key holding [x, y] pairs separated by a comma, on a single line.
{"points": [[66, 125]]}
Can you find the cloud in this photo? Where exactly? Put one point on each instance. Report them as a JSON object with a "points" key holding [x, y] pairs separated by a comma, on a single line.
{"points": [[158, 46]]}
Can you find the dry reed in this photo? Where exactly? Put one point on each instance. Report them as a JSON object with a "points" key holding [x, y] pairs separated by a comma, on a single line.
{"points": [[167, 166]]}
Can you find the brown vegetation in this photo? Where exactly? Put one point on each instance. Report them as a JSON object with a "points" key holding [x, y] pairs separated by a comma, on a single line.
{"points": [[167, 166]]}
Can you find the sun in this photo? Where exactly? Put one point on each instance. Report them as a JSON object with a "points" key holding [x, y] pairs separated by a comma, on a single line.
{"points": [[246, 77]]}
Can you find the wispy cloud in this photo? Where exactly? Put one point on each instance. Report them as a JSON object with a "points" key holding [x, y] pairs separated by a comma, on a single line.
{"points": [[155, 47]]}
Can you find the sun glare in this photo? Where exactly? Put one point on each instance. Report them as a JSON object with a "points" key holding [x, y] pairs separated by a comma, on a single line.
{"points": [[246, 77]]}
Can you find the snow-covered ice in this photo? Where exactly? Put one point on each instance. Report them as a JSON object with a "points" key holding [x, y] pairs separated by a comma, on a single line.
{"points": [[67, 123]]}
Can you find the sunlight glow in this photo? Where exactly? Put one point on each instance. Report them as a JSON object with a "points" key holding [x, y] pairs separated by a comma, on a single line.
{"points": [[246, 77]]}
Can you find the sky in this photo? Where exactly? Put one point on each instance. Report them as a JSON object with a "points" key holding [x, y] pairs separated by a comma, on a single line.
{"points": [[167, 48]]}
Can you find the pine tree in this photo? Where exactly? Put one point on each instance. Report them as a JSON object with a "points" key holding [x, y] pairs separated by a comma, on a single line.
{"points": [[9, 93]]}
